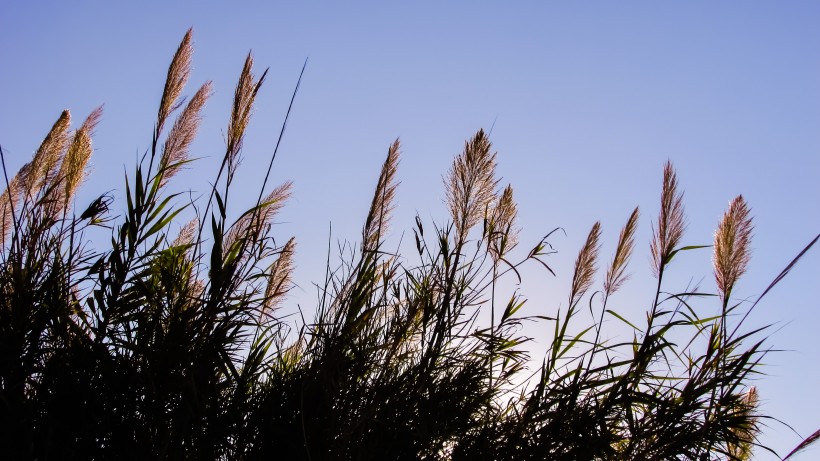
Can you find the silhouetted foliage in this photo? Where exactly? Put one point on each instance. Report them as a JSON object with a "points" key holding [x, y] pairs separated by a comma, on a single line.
{"points": [[169, 345]]}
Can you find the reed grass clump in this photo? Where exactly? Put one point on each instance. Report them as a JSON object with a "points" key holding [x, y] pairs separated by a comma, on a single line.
{"points": [[168, 342]]}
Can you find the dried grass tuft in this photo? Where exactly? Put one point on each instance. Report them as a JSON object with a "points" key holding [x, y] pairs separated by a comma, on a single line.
{"points": [[471, 183], [616, 274], [732, 245], [378, 218], [671, 222]]}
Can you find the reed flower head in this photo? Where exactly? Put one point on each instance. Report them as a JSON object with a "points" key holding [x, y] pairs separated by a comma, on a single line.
{"points": [[585, 265], [186, 234], [616, 274], [502, 226], [732, 240], [274, 202], [747, 429], [178, 73], [41, 170], [253, 222], [671, 221], [175, 152], [244, 95], [8, 201], [471, 183], [383, 201], [73, 168], [279, 280]]}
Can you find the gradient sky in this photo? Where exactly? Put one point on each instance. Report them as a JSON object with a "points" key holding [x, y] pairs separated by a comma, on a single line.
{"points": [[586, 103]]}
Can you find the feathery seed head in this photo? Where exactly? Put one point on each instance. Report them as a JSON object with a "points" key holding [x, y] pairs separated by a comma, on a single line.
{"points": [[90, 123], [751, 398], [503, 231], [747, 429], [471, 183], [585, 265], [616, 274], [382, 205], [252, 223], [41, 170], [274, 202], [671, 221], [244, 96], [175, 152], [186, 234], [279, 280], [178, 73], [73, 168], [732, 240], [76, 160], [8, 201]]}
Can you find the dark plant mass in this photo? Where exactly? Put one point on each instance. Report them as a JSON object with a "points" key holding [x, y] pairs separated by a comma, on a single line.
{"points": [[161, 343]]}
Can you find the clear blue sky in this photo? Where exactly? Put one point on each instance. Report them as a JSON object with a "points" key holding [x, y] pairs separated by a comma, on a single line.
{"points": [[588, 103]]}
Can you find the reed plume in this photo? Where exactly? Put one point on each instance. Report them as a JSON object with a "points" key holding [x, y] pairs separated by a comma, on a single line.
{"points": [[378, 218], [471, 183], [746, 432], [42, 169], [252, 222], [175, 151], [186, 234], [732, 239], [274, 202], [503, 231], [244, 96], [585, 265], [73, 168], [178, 73], [616, 274], [184, 243], [8, 202], [671, 221], [279, 280]]}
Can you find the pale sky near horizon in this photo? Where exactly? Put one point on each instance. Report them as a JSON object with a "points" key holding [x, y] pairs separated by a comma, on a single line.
{"points": [[586, 103]]}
